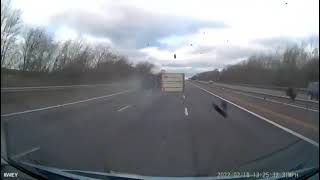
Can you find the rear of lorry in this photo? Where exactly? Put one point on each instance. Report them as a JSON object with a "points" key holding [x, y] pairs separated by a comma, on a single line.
{"points": [[172, 82]]}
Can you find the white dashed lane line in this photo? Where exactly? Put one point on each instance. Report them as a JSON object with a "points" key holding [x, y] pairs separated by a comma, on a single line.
{"points": [[186, 111], [123, 108]]}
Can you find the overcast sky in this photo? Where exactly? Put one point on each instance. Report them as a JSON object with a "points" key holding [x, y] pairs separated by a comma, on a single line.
{"points": [[203, 34]]}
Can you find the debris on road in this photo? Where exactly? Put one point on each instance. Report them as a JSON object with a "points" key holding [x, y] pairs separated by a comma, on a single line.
{"points": [[221, 110]]}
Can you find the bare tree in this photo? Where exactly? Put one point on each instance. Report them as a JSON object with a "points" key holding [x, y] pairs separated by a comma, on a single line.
{"points": [[101, 53], [37, 50], [76, 57], [295, 66], [144, 67], [10, 26], [62, 56]]}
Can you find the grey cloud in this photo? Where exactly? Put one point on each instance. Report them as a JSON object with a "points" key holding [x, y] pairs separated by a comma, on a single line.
{"points": [[192, 68], [215, 57], [225, 53], [189, 71], [285, 41], [203, 49], [234, 52], [134, 27], [133, 54], [274, 42], [193, 64]]}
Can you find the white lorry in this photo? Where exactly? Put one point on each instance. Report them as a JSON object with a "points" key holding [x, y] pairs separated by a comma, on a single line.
{"points": [[172, 82]]}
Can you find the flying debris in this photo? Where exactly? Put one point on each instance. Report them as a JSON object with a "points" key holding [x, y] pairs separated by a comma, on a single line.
{"points": [[222, 109]]}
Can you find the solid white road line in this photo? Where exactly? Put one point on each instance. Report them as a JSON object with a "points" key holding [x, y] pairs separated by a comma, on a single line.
{"points": [[25, 153], [125, 107], [14, 89], [265, 119], [186, 111], [66, 104]]}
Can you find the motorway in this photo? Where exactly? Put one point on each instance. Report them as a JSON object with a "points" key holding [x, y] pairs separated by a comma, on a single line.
{"points": [[123, 128]]}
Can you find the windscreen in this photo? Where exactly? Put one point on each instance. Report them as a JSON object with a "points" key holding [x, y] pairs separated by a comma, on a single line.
{"points": [[164, 88]]}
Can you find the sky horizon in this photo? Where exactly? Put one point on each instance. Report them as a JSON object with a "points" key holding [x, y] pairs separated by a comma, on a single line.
{"points": [[204, 34]]}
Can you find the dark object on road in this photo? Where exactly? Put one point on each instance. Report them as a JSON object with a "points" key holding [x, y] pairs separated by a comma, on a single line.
{"points": [[221, 110], [291, 93], [313, 90], [224, 105]]}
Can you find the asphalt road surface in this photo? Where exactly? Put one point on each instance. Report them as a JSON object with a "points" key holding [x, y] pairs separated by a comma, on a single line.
{"points": [[130, 130]]}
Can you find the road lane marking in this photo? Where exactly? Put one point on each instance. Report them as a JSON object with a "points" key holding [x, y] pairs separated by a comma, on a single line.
{"points": [[25, 153], [274, 101], [276, 114], [263, 118], [292, 105], [186, 111], [123, 108], [66, 104]]}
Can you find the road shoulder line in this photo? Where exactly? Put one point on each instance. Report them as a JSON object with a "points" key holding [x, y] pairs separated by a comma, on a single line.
{"points": [[30, 88]]}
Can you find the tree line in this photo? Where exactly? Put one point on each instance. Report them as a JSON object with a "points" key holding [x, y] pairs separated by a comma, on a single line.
{"points": [[294, 66], [34, 50]]}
